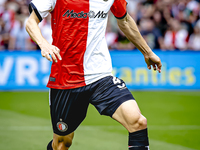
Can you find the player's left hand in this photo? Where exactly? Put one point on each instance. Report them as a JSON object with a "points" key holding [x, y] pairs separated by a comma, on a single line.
{"points": [[153, 60]]}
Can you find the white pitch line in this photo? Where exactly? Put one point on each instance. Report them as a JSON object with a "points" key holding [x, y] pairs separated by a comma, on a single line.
{"points": [[26, 128], [174, 127], [86, 127], [169, 146]]}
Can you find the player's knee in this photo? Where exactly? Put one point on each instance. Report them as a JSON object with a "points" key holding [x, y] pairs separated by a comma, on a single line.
{"points": [[62, 145], [63, 142], [137, 123], [142, 122], [67, 144]]}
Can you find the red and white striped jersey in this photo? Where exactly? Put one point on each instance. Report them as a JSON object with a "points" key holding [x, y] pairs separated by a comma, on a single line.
{"points": [[78, 30]]}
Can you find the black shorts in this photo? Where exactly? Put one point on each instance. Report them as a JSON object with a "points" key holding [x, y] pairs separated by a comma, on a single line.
{"points": [[68, 107]]}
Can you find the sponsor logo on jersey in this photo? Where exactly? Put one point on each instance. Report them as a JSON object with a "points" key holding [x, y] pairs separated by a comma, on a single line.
{"points": [[62, 126], [82, 14]]}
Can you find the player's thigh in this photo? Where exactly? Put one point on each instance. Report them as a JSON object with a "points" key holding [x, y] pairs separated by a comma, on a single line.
{"points": [[128, 110], [129, 115], [110, 93], [68, 109]]}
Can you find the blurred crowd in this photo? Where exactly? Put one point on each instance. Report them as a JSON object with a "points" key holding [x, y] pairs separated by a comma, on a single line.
{"points": [[13, 35], [164, 24]]}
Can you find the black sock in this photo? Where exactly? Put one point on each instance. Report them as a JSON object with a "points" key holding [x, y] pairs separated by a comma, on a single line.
{"points": [[49, 146], [139, 140]]}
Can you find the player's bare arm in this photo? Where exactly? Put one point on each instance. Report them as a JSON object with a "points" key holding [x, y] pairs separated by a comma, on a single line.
{"points": [[34, 31], [129, 28]]}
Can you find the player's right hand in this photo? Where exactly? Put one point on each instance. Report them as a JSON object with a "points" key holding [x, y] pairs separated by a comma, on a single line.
{"points": [[48, 49]]}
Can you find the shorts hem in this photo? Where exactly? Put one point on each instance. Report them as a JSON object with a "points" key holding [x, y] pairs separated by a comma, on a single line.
{"points": [[63, 133], [110, 112]]}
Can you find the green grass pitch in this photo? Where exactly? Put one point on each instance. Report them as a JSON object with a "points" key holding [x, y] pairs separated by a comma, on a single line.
{"points": [[173, 122]]}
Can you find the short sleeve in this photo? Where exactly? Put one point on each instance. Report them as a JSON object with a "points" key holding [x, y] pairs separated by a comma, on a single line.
{"points": [[42, 7], [119, 9]]}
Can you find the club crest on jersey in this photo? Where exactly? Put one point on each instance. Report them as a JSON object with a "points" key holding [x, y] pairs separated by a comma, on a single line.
{"points": [[62, 126], [82, 14]]}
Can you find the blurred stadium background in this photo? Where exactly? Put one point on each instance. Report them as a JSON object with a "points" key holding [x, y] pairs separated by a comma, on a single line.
{"points": [[169, 100]]}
